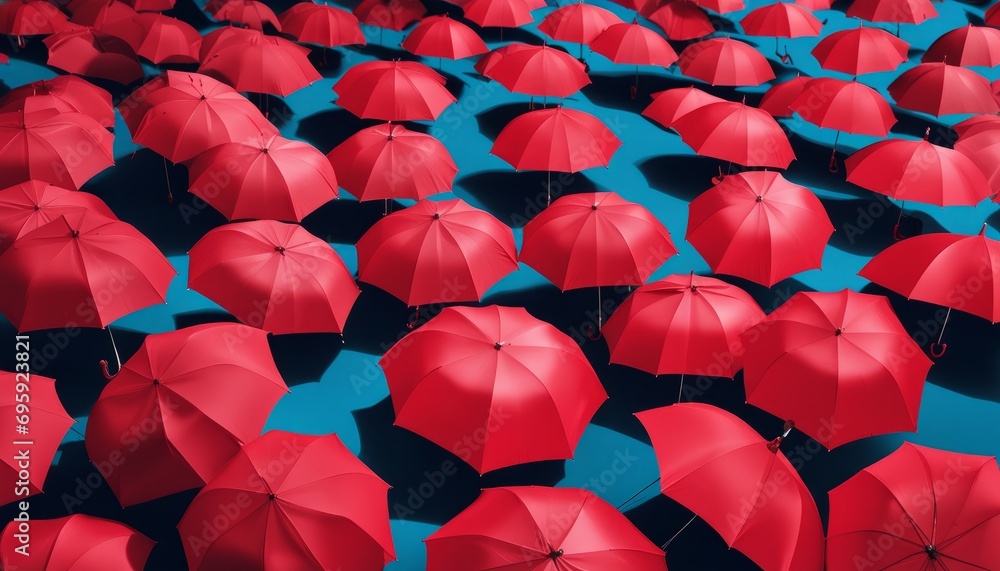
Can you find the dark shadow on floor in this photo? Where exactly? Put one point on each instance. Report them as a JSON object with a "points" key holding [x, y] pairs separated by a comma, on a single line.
{"points": [[865, 226], [682, 176], [517, 197]]}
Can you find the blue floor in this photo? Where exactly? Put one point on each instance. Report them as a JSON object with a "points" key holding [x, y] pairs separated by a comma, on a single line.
{"points": [[338, 387]]}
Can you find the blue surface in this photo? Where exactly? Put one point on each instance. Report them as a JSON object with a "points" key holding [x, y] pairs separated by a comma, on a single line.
{"points": [[338, 387]]}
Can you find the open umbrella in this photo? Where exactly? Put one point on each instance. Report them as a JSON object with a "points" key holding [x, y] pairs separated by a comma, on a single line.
{"points": [[302, 502], [982, 145], [634, 44], [93, 53], [898, 11], [486, 63], [26, 206], [442, 37], [779, 97], [724, 61], [261, 64], [861, 50], [943, 89], [781, 20], [393, 91], [737, 133], [722, 6], [672, 104], [498, 371], [75, 542], [64, 93], [274, 276], [389, 14], [540, 71], [498, 13], [99, 13], [250, 13], [579, 23], [30, 18], [158, 38], [967, 46], [682, 20], [312, 23], [151, 5]]}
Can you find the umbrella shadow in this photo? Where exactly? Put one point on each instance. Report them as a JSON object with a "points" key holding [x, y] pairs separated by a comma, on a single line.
{"points": [[327, 129], [504, 35], [328, 62], [344, 221], [192, 13], [4, 88], [915, 124], [811, 168], [494, 119], [865, 226], [517, 197], [378, 320], [275, 109], [304, 357], [682, 176], [614, 90], [994, 220]]}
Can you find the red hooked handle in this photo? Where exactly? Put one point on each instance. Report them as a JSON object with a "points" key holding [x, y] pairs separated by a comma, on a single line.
{"points": [[591, 332], [895, 233], [937, 354], [833, 164], [104, 370]]}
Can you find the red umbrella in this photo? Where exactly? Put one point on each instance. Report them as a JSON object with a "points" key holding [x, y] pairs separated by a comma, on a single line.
{"points": [[917, 508], [158, 38], [66, 94], [714, 464], [100, 13], [436, 252], [954, 270], [992, 16], [486, 63], [898, 11], [47, 424], [87, 51], [975, 125], [30, 18], [250, 13], [393, 91], [632, 44], [672, 104], [578, 23], [42, 146], [75, 542], [223, 37], [389, 161], [313, 23], [736, 133], [261, 64], [722, 6], [4, 58], [681, 325], [442, 37], [541, 71], [943, 89], [758, 226], [555, 139], [498, 13], [496, 367], [967, 46], [682, 20], [151, 5], [274, 276], [641, 6], [26, 206], [304, 502], [839, 365], [815, 5], [778, 98], [391, 14], [982, 145], [513, 528], [724, 61], [81, 270], [781, 20], [861, 50], [194, 405]]}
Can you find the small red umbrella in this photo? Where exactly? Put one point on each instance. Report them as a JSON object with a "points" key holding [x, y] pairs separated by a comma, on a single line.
{"points": [[193, 404], [861, 50], [250, 13], [541, 71], [672, 104], [261, 64], [578, 23], [898, 11], [436, 252], [75, 542], [943, 89], [486, 63], [917, 508], [320, 24], [736, 133], [66, 94], [778, 98], [30, 18], [469, 367], [839, 365], [442, 37], [966, 46], [81, 270], [89, 52], [389, 14], [158, 38], [26, 206], [100, 13], [389, 161], [555, 139], [720, 468], [758, 226], [274, 276], [724, 61], [682, 20], [781, 20], [498, 13], [304, 502], [512, 528], [633, 44], [41, 145], [393, 91], [47, 422], [722, 6]]}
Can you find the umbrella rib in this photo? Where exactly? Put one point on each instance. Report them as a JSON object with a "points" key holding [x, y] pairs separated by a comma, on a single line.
{"points": [[760, 490], [892, 535], [898, 561]]}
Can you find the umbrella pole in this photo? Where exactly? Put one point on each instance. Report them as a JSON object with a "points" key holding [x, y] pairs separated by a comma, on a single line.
{"points": [[548, 188], [635, 87], [166, 174], [833, 155], [690, 521], [118, 360], [680, 389], [637, 494], [943, 346], [895, 230], [385, 207]]}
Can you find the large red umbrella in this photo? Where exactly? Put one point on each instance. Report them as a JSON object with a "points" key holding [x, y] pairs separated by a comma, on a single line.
{"points": [[781, 20], [579, 23], [30, 18], [436, 252], [389, 14], [724, 61], [389, 161], [917, 508], [304, 502], [75, 542], [861, 50], [839, 365], [498, 13], [90, 52], [194, 405], [992, 16], [312, 23], [273, 178], [442, 37], [555, 139], [898, 11], [541, 71], [737, 133], [512, 528], [714, 464], [158, 38], [46, 421], [975, 125], [64, 93], [777, 99], [966, 46], [99, 13], [982, 145], [672, 104], [26, 206], [393, 91], [223, 37], [486, 63], [682, 20], [469, 369], [634, 44], [758, 226], [943, 89], [81, 270], [274, 276], [250, 13], [261, 64]]}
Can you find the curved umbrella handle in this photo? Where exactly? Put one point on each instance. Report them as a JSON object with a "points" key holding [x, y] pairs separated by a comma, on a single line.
{"points": [[833, 166], [591, 332], [937, 354], [895, 233], [104, 370], [633, 91]]}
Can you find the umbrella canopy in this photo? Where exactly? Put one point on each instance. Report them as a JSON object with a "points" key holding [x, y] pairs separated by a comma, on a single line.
{"points": [[595, 239], [633, 44], [681, 325], [250, 13], [274, 276], [393, 91], [861, 50], [76, 542], [158, 38], [758, 226], [486, 63], [151, 5], [724, 61], [496, 370], [64, 93], [975, 125], [436, 252], [898, 11], [389, 161], [81, 270], [513, 528], [846, 106], [440, 36], [672, 104], [99, 13], [682, 20], [943, 89], [389, 14], [815, 5], [222, 37], [735, 132], [273, 178], [556, 139], [921, 508], [261, 64], [992, 16], [26, 206], [31, 18], [714, 464], [777, 99], [202, 403], [541, 71], [93, 53], [967, 46], [312, 23], [322, 508], [982, 146], [781, 20], [498, 13], [579, 23], [839, 365]]}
